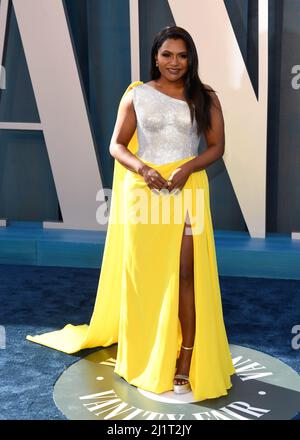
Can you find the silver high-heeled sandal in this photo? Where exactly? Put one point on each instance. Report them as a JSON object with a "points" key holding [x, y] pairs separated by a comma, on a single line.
{"points": [[185, 387]]}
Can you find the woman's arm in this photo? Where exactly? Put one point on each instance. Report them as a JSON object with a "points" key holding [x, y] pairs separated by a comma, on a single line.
{"points": [[123, 131], [124, 128], [215, 138]]}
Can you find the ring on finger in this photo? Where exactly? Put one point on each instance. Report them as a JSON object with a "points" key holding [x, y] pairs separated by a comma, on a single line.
{"points": [[155, 190]]}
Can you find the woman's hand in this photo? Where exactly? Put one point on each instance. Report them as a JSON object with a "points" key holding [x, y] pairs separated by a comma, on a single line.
{"points": [[153, 179], [179, 177]]}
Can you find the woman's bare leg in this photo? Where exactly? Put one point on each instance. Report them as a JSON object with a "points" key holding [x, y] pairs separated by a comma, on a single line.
{"points": [[186, 302]]}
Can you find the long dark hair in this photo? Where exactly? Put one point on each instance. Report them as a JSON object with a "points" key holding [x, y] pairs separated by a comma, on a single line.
{"points": [[196, 94]]}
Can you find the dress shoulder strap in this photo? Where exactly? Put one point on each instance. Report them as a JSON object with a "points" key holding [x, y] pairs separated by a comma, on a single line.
{"points": [[131, 86]]}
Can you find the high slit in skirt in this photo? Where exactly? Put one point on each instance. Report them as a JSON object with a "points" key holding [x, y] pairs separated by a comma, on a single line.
{"points": [[137, 300]]}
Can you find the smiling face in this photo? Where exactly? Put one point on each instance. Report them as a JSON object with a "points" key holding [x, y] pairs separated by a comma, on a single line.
{"points": [[172, 59]]}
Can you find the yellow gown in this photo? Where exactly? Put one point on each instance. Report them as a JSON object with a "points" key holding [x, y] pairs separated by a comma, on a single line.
{"points": [[138, 292]]}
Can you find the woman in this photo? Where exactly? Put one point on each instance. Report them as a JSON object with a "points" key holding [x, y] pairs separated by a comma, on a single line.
{"points": [[158, 293]]}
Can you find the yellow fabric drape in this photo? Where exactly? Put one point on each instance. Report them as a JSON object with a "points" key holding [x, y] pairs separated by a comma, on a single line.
{"points": [[138, 292]]}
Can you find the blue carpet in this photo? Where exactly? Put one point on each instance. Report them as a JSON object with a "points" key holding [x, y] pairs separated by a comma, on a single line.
{"points": [[259, 313]]}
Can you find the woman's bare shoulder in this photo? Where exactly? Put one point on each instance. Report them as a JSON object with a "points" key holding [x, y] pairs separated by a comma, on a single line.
{"points": [[127, 98], [129, 95]]}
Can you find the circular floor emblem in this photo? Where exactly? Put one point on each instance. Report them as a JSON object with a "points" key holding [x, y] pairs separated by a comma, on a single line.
{"points": [[263, 388]]}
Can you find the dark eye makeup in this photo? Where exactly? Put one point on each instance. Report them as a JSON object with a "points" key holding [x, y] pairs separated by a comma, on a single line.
{"points": [[167, 54]]}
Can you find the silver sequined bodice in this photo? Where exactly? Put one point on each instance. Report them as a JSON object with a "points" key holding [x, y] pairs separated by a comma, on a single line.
{"points": [[164, 129]]}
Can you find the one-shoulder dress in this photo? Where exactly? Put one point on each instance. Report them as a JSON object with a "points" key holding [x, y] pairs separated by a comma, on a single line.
{"points": [[137, 298]]}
